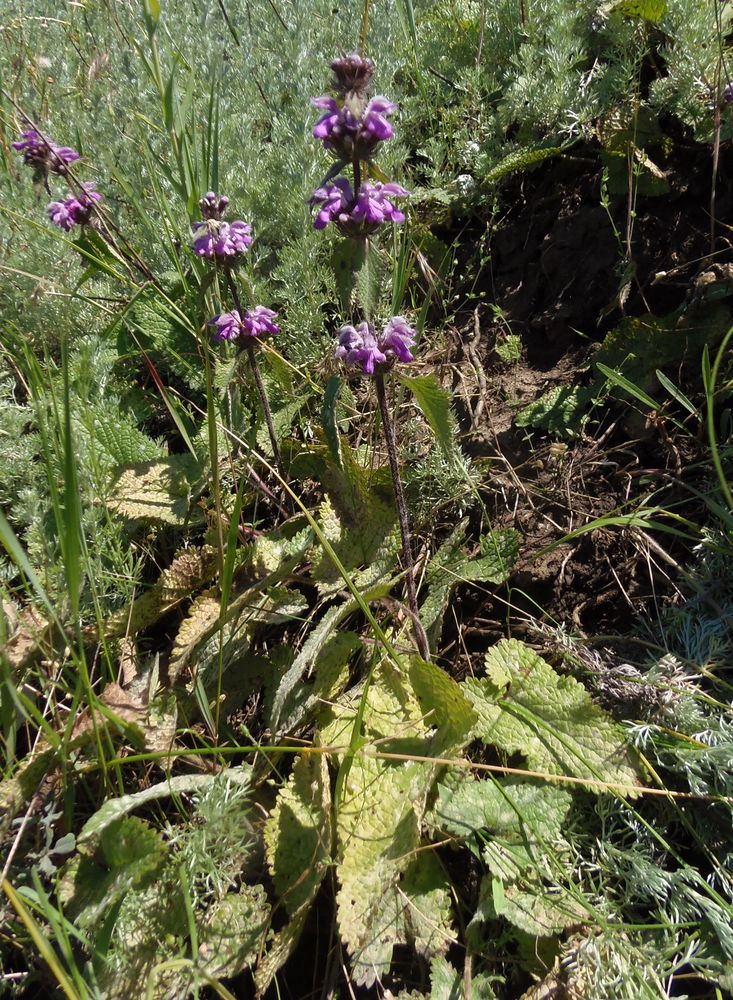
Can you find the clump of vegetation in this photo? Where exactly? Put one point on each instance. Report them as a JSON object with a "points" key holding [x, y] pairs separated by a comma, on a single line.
{"points": [[322, 674]]}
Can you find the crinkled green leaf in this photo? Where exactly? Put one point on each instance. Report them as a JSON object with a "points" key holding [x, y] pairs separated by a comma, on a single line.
{"points": [[367, 551], [446, 983], [121, 439], [519, 160], [298, 832], [233, 931], [282, 420], [443, 704], [640, 345], [158, 491], [522, 816], [284, 713], [427, 913], [281, 947], [331, 674], [645, 10], [218, 644], [370, 279], [170, 343], [128, 856], [189, 571], [450, 566], [531, 906], [435, 404], [378, 833], [525, 707], [560, 411], [328, 417]]}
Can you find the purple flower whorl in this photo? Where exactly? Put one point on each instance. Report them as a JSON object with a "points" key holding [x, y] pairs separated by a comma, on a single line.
{"points": [[353, 131], [360, 347], [357, 216], [223, 240], [43, 154], [74, 211], [257, 322]]}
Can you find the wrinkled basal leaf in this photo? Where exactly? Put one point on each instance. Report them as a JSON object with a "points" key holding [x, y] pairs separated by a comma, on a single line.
{"points": [[427, 914], [189, 571], [233, 931], [560, 412], [644, 10], [367, 551], [530, 905], [446, 983], [443, 704], [285, 711], [298, 832], [160, 491], [128, 855], [523, 817], [525, 707], [521, 159], [330, 676], [378, 832], [280, 949]]}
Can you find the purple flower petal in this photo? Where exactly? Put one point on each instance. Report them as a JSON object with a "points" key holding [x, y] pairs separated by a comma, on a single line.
{"points": [[257, 322], [214, 238], [397, 338], [61, 214], [228, 326], [74, 211], [334, 200], [358, 347]]}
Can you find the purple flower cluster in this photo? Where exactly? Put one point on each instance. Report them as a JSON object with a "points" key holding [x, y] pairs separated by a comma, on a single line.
{"points": [[352, 75], [352, 127], [74, 211], [257, 322], [361, 347], [352, 131], [221, 239], [357, 214], [43, 154], [214, 238], [213, 205]]}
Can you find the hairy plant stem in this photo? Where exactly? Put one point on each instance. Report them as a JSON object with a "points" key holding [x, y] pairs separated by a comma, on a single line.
{"points": [[265, 405], [389, 434], [258, 378]]}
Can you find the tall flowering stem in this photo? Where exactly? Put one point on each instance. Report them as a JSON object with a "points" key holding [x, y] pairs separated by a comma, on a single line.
{"points": [[254, 324], [375, 354], [408, 561]]}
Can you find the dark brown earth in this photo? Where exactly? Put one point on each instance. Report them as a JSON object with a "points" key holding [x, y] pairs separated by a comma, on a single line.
{"points": [[555, 270]]}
